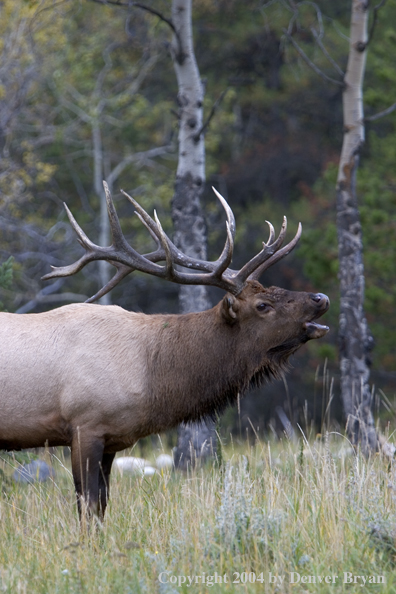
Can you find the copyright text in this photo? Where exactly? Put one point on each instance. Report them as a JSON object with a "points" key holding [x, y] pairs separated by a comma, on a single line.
{"points": [[347, 577]]}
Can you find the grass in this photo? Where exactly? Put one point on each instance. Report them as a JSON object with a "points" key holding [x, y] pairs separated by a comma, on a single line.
{"points": [[314, 509]]}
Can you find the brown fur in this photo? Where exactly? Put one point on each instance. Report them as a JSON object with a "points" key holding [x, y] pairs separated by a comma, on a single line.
{"points": [[98, 378]]}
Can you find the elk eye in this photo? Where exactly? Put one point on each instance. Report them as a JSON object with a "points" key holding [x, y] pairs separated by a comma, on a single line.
{"points": [[263, 306]]}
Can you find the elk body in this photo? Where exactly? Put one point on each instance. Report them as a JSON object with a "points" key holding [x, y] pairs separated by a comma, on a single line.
{"points": [[98, 378]]}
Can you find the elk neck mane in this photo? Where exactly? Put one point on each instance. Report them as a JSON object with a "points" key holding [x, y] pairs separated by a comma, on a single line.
{"points": [[201, 364]]}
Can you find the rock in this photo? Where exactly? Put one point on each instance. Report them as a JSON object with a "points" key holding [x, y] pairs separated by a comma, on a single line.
{"points": [[164, 461], [37, 471], [149, 470], [131, 465]]}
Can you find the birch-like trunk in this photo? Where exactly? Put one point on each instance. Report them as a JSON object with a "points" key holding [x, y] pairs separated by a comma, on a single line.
{"points": [[104, 223], [355, 340], [194, 441]]}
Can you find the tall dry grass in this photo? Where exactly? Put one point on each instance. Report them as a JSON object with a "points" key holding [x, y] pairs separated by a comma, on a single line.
{"points": [[315, 509]]}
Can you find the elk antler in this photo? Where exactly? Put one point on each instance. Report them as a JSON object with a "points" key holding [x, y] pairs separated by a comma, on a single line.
{"points": [[125, 259]]}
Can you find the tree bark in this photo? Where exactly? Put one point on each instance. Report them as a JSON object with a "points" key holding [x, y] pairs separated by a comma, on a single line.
{"points": [[194, 441], [104, 223], [355, 340]]}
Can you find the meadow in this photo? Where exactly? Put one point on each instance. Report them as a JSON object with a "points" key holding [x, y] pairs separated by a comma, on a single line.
{"points": [[278, 516]]}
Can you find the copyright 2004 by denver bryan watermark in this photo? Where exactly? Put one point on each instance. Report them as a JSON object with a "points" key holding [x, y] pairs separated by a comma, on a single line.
{"points": [[292, 577]]}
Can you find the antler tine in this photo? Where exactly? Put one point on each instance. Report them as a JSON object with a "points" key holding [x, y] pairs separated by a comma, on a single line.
{"points": [[120, 252], [121, 273], [170, 271], [173, 255], [59, 271], [229, 213], [119, 241], [166, 250], [270, 254], [149, 229], [268, 250], [278, 255], [281, 237], [158, 234], [226, 255], [177, 255], [143, 216], [272, 233], [186, 278], [89, 256], [82, 238]]}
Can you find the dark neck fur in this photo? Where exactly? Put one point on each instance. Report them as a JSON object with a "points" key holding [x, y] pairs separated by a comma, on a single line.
{"points": [[194, 379]]}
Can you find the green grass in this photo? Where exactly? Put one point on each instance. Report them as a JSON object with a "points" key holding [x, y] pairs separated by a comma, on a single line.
{"points": [[316, 510]]}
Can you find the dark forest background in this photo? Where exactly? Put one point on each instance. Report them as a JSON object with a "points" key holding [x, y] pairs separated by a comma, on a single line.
{"points": [[74, 69]]}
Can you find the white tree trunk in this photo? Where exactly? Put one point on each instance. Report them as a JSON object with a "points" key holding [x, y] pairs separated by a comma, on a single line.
{"points": [[353, 90], [194, 441], [104, 223], [354, 336], [190, 231]]}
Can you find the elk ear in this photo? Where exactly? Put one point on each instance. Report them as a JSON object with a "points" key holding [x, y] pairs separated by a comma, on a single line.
{"points": [[230, 308]]}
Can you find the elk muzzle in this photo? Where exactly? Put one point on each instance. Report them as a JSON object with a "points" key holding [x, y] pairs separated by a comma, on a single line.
{"points": [[312, 328]]}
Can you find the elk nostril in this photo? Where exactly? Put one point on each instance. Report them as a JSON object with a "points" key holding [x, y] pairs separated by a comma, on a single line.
{"points": [[319, 297]]}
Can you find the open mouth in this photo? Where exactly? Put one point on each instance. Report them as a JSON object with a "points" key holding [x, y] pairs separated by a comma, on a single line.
{"points": [[315, 330], [312, 328]]}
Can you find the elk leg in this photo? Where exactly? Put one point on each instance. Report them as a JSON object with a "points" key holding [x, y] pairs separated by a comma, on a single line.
{"points": [[86, 458], [104, 482]]}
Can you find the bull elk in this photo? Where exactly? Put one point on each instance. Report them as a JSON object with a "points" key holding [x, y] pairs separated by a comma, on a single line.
{"points": [[98, 378]]}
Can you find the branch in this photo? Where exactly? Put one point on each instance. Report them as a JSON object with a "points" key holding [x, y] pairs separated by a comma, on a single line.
{"points": [[76, 110], [74, 93], [310, 63], [339, 32], [142, 156], [143, 71], [373, 24], [326, 53], [210, 116], [381, 114], [46, 258], [147, 9], [108, 63], [25, 229]]}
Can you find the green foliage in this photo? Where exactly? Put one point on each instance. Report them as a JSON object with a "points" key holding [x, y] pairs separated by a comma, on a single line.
{"points": [[6, 273], [376, 186], [22, 457], [6, 276]]}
